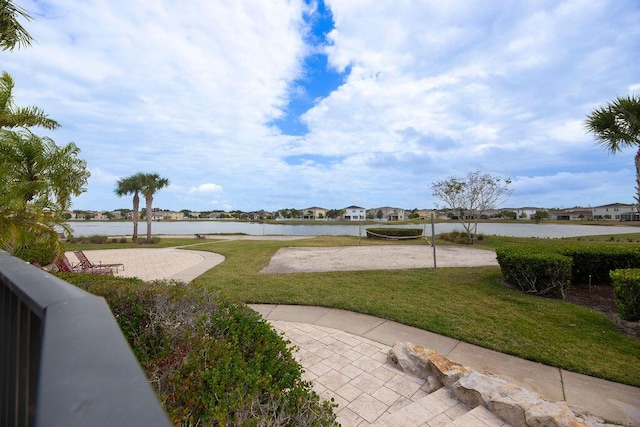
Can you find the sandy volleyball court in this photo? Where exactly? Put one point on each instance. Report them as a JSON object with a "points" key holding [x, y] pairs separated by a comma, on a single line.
{"points": [[300, 260]]}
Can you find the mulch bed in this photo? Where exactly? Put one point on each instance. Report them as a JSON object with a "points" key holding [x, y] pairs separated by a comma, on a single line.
{"points": [[602, 299], [599, 298]]}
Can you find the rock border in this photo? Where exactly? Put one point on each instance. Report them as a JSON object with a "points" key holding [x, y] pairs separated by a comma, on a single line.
{"points": [[513, 404]]}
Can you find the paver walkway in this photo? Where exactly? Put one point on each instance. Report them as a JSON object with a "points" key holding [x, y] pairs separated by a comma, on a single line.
{"points": [[354, 371]]}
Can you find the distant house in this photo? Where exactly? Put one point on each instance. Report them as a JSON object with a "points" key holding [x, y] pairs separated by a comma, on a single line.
{"points": [[526, 212], [354, 213], [490, 213], [314, 213], [613, 211], [387, 213], [425, 213], [571, 214], [217, 215], [117, 215], [100, 216]]}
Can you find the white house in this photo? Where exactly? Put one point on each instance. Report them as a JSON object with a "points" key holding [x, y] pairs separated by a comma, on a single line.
{"points": [[526, 212], [613, 211], [354, 213]]}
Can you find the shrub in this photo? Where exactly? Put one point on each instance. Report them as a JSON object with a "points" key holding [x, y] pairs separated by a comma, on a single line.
{"points": [[598, 261], [153, 241], [95, 239], [211, 360], [626, 286], [394, 233], [539, 273], [42, 254], [460, 238]]}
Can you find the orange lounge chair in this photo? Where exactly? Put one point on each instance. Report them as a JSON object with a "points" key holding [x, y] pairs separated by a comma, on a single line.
{"points": [[63, 264], [85, 263]]}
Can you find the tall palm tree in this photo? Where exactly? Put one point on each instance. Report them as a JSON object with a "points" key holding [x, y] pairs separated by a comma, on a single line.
{"points": [[39, 179], [152, 182], [617, 126], [132, 185], [12, 34], [12, 116]]}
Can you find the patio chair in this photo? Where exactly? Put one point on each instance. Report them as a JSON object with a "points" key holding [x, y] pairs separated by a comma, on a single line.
{"points": [[85, 263], [63, 264]]}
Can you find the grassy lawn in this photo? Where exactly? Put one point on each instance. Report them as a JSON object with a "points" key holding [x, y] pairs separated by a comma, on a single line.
{"points": [[464, 303], [163, 243]]}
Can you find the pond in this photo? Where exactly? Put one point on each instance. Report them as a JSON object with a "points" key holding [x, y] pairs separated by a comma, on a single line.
{"points": [[190, 227]]}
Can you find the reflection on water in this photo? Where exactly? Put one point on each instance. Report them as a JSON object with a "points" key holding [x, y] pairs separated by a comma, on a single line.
{"points": [[108, 228]]}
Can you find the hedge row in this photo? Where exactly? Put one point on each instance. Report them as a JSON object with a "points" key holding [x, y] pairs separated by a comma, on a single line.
{"points": [[598, 261], [626, 286], [397, 233], [212, 362], [537, 272]]}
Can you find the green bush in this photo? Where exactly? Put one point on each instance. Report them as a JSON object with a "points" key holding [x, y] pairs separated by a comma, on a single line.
{"points": [[626, 286], [460, 238], [536, 272], [212, 361], [95, 239], [42, 254], [394, 233], [598, 261]]}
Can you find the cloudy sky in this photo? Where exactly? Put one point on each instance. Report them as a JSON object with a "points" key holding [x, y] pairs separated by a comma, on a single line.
{"points": [[253, 104]]}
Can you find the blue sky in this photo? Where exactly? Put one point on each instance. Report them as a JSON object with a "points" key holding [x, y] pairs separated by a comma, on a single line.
{"points": [[290, 104]]}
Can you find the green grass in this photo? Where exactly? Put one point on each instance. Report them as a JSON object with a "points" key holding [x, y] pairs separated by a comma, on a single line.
{"points": [[164, 243], [463, 303]]}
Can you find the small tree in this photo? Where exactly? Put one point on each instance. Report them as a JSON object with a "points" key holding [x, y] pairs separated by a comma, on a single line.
{"points": [[471, 196], [540, 215]]}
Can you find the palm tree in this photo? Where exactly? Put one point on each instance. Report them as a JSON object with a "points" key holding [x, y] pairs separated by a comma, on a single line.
{"points": [[12, 116], [132, 185], [39, 179], [152, 182], [12, 34], [617, 126]]}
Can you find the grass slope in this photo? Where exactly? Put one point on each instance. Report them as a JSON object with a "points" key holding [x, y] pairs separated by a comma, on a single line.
{"points": [[463, 303]]}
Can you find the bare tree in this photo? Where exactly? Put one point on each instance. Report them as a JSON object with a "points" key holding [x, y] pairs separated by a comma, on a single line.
{"points": [[469, 197]]}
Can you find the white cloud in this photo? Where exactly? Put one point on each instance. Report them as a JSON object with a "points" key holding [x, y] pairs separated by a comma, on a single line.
{"points": [[208, 188]]}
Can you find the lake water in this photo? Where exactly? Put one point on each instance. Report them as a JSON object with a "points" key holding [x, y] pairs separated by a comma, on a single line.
{"points": [[108, 228]]}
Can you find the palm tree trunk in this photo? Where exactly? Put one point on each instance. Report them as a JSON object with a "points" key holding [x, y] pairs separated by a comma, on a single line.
{"points": [[135, 216], [637, 161], [149, 215]]}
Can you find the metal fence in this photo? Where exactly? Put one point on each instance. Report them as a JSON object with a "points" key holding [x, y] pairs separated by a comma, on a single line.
{"points": [[63, 359]]}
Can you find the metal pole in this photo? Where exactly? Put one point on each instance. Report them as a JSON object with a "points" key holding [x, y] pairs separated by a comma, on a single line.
{"points": [[433, 237]]}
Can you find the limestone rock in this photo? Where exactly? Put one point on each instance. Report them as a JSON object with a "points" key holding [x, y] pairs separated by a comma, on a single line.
{"points": [[515, 405], [552, 414], [411, 358], [425, 363], [447, 371], [475, 389]]}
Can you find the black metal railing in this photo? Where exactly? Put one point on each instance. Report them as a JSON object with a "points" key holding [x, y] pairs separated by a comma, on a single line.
{"points": [[63, 359]]}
